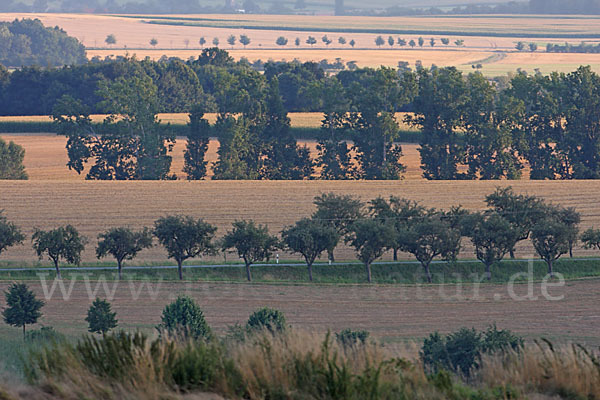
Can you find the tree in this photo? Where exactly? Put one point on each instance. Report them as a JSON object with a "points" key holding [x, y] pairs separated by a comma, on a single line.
{"points": [[432, 42], [123, 244], [281, 41], [391, 41], [244, 40], [11, 161], [22, 308], [551, 239], [412, 43], [326, 40], [339, 212], [342, 40], [215, 42], [184, 237], [297, 41], [533, 47], [231, 40], [183, 318], [267, 319], [100, 317], [252, 242], [591, 239], [197, 145], [401, 42], [370, 239], [310, 238], [311, 40], [202, 42], [379, 41], [421, 42], [522, 211], [445, 41], [10, 234], [64, 242], [493, 237], [459, 42], [153, 42], [352, 43], [430, 238], [520, 46], [111, 39]]}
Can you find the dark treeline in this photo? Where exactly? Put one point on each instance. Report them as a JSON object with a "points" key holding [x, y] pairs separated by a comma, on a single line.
{"points": [[569, 48], [471, 127], [28, 42]]}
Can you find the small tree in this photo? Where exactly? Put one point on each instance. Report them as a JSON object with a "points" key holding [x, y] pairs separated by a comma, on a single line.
{"points": [[123, 244], [202, 42], [520, 46], [311, 41], [266, 319], [297, 42], [339, 212], [281, 41], [64, 242], [231, 40], [352, 43], [326, 40], [591, 239], [412, 43], [184, 237], [252, 243], [459, 42], [429, 239], [551, 240], [391, 41], [445, 41], [342, 40], [533, 47], [310, 238], [379, 41], [153, 42], [401, 42], [10, 234], [216, 42], [100, 317], [22, 307], [493, 237], [244, 40], [421, 41], [11, 161], [111, 39], [432, 42], [370, 239], [184, 318]]}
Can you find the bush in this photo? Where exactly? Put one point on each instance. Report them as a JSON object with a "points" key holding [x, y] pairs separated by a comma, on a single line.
{"points": [[350, 338], [100, 317], [183, 318], [45, 334], [461, 351], [267, 319]]}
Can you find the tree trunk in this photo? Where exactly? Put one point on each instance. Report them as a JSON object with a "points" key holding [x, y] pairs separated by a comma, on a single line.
{"points": [[512, 254], [488, 272], [23, 331], [368, 268], [395, 254], [57, 269], [120, 264], [331, 256], [550, 270], [428, 273], [248, 273], [180, 269], [571, 250], [310, 277]]}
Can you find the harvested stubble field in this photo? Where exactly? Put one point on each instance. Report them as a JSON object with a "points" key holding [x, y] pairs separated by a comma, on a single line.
{"points": [[95, 206], [487, 35], [388, 312]]}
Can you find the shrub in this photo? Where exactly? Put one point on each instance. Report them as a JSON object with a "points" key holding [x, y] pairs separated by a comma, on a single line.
{"points": [[267, 319], [461, 351], [350, 338], [45, 334], [183, 318]]}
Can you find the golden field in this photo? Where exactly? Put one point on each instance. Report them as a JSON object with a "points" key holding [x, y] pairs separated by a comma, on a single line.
{"points": [[496, 53], [93, 206]]}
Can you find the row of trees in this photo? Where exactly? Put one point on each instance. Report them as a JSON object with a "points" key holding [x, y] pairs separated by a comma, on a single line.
{"points": [[371, 229]]}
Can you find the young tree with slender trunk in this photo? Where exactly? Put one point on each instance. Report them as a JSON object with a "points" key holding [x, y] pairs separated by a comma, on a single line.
{"points": [[10, 234], [123, 244], [551, 239], [370, 239], [252, 242], [493, 237], [22, 308], [100, 317], [310, 238], [184, 237], [64, 242]]}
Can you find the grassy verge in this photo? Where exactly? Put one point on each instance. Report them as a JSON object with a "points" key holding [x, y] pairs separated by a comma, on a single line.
{"points": [[400, 273]]}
